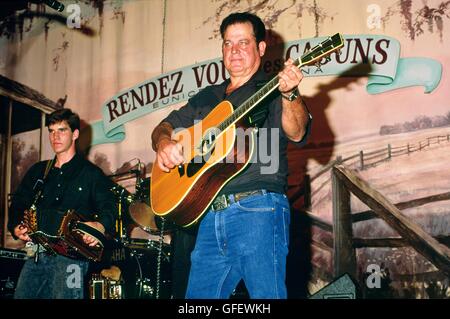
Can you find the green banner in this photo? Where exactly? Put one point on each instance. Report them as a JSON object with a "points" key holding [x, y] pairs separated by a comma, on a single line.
{"points": [[374, 56]]}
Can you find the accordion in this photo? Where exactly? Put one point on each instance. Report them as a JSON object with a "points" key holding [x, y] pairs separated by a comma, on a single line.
{"points": [[69, 240]]}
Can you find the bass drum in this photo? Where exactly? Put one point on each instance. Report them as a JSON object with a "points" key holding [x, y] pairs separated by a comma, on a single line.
{"points": [[138, 267]]}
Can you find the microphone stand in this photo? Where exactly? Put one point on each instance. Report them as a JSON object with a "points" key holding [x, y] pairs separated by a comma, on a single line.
{"points": [[139, 181]]}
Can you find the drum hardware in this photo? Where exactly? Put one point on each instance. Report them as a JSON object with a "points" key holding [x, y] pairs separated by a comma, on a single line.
{"points": [[134, 274], [145, 288], [158, 265], [139, 249], [123, 196], [139, 246], [119, 221], [136, 171], [128, 169], [139, 187], [144, 261], [102, 287], [143, 284]]}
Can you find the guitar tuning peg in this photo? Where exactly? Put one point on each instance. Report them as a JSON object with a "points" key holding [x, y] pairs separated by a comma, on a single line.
{"points": [[328, 58]]}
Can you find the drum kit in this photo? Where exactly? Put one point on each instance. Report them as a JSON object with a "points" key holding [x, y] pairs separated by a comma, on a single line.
{"points": [[137, 263]]}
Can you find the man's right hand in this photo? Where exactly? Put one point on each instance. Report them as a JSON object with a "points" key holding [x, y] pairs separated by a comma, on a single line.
{"points": [[169, 154], [21, 232]]}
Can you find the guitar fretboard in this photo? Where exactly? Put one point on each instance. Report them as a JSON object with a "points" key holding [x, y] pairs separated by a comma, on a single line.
{"points": [[250, 103]]}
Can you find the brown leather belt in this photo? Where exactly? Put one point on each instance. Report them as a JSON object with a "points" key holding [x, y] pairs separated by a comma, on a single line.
{"points": [[223, 201]]}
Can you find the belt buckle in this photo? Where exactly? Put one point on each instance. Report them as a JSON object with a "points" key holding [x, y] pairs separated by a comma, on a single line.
{"points": [[221, 202], [31, 249]]}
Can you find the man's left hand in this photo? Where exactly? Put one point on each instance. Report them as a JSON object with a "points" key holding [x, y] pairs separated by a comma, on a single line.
{"points": [[290, 77], [89, 240]]}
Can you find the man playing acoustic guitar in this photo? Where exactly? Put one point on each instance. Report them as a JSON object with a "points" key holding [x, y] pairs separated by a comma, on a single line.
{"points": [[244, 232], [69, 182]]}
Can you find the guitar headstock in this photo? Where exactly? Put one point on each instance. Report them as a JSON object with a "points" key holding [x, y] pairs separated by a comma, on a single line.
{"points": [[323, 49]]}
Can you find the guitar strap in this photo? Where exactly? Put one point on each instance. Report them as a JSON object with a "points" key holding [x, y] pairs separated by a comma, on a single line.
{"points": [[38, 188], [258, 115], [41, 182], [39, 185]]}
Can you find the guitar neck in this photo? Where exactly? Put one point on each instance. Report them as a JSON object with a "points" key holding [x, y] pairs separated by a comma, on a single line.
{"points": [[254, 100], [250, 103]]}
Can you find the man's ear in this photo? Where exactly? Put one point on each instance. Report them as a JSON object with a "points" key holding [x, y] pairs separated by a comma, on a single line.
{"points": [[262, 48], [75, 135]]}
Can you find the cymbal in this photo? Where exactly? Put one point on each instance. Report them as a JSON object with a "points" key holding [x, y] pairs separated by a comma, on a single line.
{"points": [[143, 215]]}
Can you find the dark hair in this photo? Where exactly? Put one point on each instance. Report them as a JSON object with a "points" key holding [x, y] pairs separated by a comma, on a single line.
{"points": [[259, 30], [64, 115]]}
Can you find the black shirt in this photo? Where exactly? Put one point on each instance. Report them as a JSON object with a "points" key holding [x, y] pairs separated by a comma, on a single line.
{"points": [[268, 170], [78, 185]]}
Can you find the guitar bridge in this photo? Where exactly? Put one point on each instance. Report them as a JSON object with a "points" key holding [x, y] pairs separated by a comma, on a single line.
{"points": [[181, 170]]}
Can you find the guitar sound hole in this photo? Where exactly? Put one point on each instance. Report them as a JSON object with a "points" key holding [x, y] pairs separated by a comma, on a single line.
{"points": [[208, 140], [197, 163]]}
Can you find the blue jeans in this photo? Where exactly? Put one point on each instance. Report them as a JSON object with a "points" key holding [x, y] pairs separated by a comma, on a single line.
{"points": [[248, 240], [52, 277]]}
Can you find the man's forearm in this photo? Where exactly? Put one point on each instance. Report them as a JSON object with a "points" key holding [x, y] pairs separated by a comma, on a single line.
{"points": [[161, 132], [294, 118]]}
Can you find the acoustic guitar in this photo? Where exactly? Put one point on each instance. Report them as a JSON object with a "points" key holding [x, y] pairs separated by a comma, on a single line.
{"points": [[213, 155]]}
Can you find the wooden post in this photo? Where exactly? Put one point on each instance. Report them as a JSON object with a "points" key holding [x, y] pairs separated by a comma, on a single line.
{"points": [[361, 159], [421, 241], [344, 252], [408, 148], [7, 162], [389, 149]]}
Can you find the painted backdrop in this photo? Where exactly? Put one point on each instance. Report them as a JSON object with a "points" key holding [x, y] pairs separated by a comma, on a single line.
{"points": [[381, 105]]}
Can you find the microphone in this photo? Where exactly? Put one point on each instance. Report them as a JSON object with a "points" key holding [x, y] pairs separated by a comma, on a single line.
{"points": [[56, 5]]}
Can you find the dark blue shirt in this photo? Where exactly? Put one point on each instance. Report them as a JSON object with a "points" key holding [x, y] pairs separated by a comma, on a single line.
{"points": [[268, 169]]}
